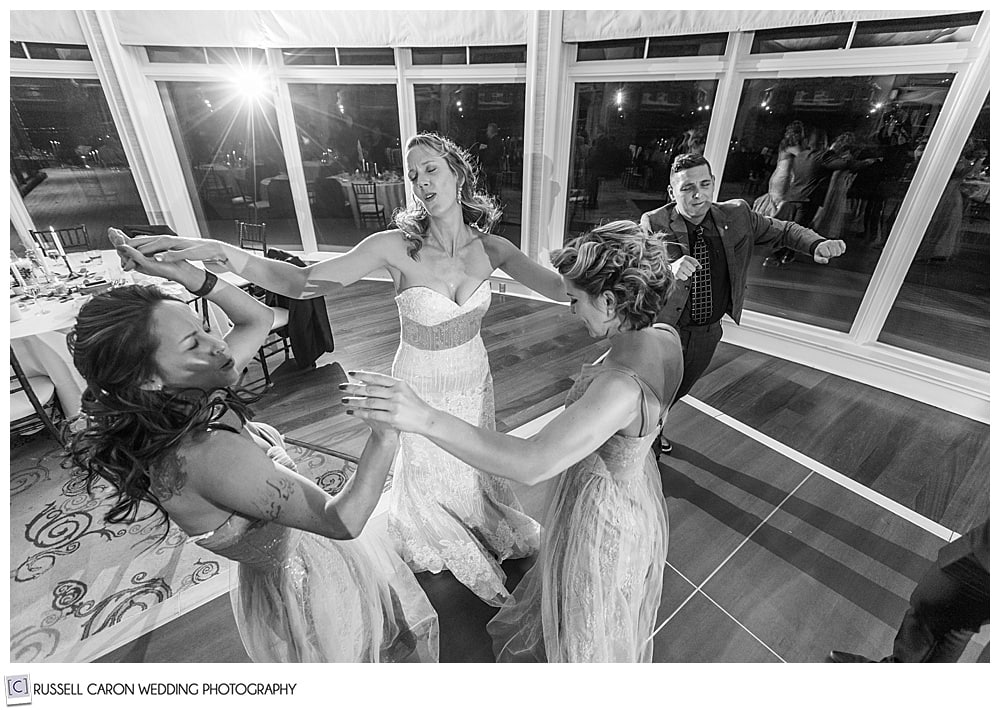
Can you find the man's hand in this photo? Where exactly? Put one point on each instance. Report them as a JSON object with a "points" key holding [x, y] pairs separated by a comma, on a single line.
{"points": [[684, 267], [829, 249]]}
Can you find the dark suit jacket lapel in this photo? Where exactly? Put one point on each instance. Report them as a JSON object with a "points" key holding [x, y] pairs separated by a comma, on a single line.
{"points": [[679, 230], [722, 224]]}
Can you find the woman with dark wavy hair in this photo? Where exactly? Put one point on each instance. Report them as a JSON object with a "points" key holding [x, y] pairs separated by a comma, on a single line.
{"points": [[444, 514], [594, 591], [164, 425]]}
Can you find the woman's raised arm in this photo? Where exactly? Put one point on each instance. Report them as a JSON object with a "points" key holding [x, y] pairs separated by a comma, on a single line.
{"points": [[321, 278]]}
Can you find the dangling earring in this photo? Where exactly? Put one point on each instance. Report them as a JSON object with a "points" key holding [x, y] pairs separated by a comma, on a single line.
{"points": [[458, 194]]}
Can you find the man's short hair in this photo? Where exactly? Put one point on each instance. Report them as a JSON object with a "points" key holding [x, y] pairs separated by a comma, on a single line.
{"points": [[686, 161]]}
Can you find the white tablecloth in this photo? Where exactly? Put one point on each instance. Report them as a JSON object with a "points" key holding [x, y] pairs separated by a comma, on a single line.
{"points": [[391, 196]]}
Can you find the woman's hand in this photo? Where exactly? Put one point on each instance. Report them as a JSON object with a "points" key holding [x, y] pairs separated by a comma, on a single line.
{"points": [[187, 275], [167, 248], [384, 401]]}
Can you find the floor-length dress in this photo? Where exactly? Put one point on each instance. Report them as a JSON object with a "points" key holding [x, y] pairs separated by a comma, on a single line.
{"points": [[306, 598], [443, 513], [592, 595]]}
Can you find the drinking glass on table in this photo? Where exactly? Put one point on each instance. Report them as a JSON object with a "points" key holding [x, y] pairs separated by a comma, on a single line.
{"points": [[33, 288]]}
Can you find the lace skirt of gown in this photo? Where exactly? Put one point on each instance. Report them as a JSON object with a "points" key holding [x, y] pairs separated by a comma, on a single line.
{"points": [[593, 594], [306, 598], [445, 514]]}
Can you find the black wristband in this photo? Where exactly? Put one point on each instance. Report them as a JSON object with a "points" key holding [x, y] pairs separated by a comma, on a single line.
{"points": [[815, 245], [206, 287]]}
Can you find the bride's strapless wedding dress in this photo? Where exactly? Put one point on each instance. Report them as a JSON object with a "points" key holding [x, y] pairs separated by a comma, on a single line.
{"points": [[445, 514]]}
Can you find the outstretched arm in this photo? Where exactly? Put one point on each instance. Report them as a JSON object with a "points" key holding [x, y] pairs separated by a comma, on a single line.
{"points": [[287, 279], [610, 403], [504, 255]]}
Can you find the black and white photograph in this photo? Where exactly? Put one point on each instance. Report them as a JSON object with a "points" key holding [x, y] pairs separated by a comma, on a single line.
{"points": [[439, 336]]}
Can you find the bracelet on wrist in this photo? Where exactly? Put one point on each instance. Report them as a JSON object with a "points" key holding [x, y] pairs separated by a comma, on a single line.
{"points": [[207, 285]]}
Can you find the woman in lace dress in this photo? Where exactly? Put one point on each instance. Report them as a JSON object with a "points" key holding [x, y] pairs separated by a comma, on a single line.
{"points": [[444, 513], [164, 426], [594, 591]]}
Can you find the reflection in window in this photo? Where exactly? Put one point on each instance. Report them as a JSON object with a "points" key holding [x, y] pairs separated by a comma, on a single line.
{"points": [[688, 45], [943, 306], [236, 56], [64, 52], [488, 121], [347, 134], [610, 49], [326, 56], [625, 137], [499, 54], [67, 159], [439, 55], [916, 30], [362, 56], [801, 39], [226, 135], [836, 155], [17, 51]]}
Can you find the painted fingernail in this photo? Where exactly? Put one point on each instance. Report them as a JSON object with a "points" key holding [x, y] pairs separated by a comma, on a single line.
{"points": [[350, 411], [342, 387], [345, 400], [352, 373]]}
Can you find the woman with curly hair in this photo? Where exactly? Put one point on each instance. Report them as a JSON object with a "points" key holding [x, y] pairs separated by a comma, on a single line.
{"points": [[443, 514], [594, 591], [163, 424]]}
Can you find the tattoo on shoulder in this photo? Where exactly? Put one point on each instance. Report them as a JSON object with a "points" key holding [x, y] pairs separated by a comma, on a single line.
{"points": [[276, 494], [168, 476]]}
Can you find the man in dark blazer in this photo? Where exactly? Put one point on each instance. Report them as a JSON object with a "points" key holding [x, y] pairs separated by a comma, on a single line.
{"points": [[711, 245]]}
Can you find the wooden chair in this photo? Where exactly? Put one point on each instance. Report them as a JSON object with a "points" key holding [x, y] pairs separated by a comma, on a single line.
{"points": [[278, 335], [71, 238], [368, 206], [251, 236], [33, 403], [216, 187]]}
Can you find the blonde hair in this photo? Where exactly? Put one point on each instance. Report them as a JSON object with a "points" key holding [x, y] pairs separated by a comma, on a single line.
{"points": [[478, 209], [619, 257]]}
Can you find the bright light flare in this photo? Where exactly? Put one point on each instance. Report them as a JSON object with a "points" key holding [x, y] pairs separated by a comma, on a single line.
{"points": [[250, 84]]}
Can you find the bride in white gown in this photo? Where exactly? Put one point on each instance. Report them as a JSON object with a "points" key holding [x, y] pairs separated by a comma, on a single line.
{"points": [[444, 514]]}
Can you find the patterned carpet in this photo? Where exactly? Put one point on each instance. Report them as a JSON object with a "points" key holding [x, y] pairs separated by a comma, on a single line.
{"points": [[73, 575]]}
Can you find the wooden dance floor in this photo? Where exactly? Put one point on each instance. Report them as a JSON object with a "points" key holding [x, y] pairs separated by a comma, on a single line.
{"points": [[803, 507]]}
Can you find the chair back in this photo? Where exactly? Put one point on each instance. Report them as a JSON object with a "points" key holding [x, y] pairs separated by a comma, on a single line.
{"points": [[367, 199], [252, 236], [365, 193], [214, 186], [24, 420], [71, 238]]}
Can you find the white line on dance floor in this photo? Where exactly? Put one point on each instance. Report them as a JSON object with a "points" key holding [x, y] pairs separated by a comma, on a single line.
{"points": [[822, 469]]}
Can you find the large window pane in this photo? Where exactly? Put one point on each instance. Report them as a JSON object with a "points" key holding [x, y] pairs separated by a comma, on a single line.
{"points": [[227, 140], [348, 133], [854, 143], [66, 157], [465, 113], [624, 137], [943, 306]]}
